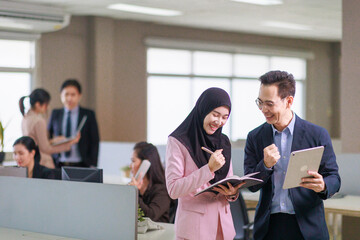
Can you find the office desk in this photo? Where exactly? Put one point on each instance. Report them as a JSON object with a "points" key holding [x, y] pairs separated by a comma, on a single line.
{"points": [[251, 199], [343, 215], [14, 234], [347, 206], [335, 208], [115, 179], [168, 233]]}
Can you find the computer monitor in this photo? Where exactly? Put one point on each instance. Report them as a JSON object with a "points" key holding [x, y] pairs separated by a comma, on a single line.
{"points": [[13, 171], [81, 174]]}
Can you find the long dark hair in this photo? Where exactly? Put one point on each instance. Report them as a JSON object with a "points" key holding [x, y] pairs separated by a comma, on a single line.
{"points": [[156, 173], [39, 95], [30, 145]]}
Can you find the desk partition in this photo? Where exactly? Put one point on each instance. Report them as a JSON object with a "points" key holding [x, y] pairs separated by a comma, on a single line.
{"points": [[70, 209], [349, 165]]}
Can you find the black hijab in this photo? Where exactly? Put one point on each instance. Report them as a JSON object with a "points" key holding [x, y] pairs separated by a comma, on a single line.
{"points": [[192, 135]]}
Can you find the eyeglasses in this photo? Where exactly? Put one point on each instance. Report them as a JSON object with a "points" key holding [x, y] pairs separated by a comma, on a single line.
{"points": [[267, 104]]}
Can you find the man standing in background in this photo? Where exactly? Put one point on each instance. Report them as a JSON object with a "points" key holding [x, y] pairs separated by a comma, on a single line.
{"points": [[65, 121]]}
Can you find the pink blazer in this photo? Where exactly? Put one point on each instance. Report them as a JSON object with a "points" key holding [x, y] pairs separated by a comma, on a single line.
{"points": [[196, 217]]}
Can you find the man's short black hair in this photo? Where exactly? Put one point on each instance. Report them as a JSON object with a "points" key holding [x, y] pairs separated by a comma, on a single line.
{"points": [[284, 80], [71, 82]]}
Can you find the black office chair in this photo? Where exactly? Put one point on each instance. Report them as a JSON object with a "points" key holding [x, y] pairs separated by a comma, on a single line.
{"points": [[239, 212], [172, 210]]}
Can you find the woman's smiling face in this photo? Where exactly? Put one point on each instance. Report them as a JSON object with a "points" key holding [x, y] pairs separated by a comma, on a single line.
{"points": [[216, 119]]}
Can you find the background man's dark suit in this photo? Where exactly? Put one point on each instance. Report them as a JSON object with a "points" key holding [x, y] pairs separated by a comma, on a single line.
{"points": [[89, 141], [308, 205]]}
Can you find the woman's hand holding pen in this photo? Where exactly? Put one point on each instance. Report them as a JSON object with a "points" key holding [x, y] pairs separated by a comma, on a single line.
{"points": [[216, 161]]}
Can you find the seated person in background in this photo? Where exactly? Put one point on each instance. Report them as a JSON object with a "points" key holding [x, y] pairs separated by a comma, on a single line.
{"points": [[27, 154], [153, 197]]}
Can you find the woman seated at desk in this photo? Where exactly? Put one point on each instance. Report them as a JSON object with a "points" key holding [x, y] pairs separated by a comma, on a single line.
{"points": [[153, 197], [26, 154]]}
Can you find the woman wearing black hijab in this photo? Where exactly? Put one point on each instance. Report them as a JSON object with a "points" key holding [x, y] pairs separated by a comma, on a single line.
{"points": [[189, 170]]}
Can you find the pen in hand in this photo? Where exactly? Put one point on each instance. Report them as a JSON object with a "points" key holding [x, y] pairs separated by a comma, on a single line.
{"points": [[207, 150], [215, 162]]}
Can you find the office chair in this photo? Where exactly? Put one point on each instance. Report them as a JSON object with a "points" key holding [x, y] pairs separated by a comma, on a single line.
{"points": [[172, 210], [239, 212]]}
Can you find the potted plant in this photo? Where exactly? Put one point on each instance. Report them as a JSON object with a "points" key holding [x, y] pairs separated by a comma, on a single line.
{"points": [[126, 169], [2, 153]]}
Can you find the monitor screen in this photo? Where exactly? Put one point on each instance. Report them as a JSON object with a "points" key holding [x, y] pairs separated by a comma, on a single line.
{"points": [[82, 174], [13, 171]]}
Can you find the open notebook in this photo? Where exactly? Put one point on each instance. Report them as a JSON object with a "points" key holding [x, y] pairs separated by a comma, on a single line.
{"points": [[234, 180]]}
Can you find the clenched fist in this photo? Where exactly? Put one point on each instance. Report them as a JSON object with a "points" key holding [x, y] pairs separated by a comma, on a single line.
{"points": [[271, 155]]}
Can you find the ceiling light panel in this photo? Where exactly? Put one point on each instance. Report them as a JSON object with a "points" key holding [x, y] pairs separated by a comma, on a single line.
{"points": [[260, 2], [144, 10]]}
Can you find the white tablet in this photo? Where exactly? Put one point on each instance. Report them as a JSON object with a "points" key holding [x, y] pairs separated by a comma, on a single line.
{"points": [[300, 162], [81, 125]]}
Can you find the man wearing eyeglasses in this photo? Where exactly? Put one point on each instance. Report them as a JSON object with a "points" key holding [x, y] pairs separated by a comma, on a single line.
{"points": [[296, 213]]}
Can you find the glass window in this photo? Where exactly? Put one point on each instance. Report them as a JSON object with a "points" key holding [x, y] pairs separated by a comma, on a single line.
{"points": [[16, 66], [299, 100], [169, 102], [168, 61], [201, 84], [251, 65], [245, 114], [172, 95], [17, 85], [212, 64], [15, 54], [296, 66]]}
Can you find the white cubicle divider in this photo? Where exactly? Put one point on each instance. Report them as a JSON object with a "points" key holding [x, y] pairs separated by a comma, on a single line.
{"points": [[349, 165], [113, 156], [69, 209]]}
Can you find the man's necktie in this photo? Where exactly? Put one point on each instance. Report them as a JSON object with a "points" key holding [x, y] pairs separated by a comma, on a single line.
{"points": [[68, 131]]}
